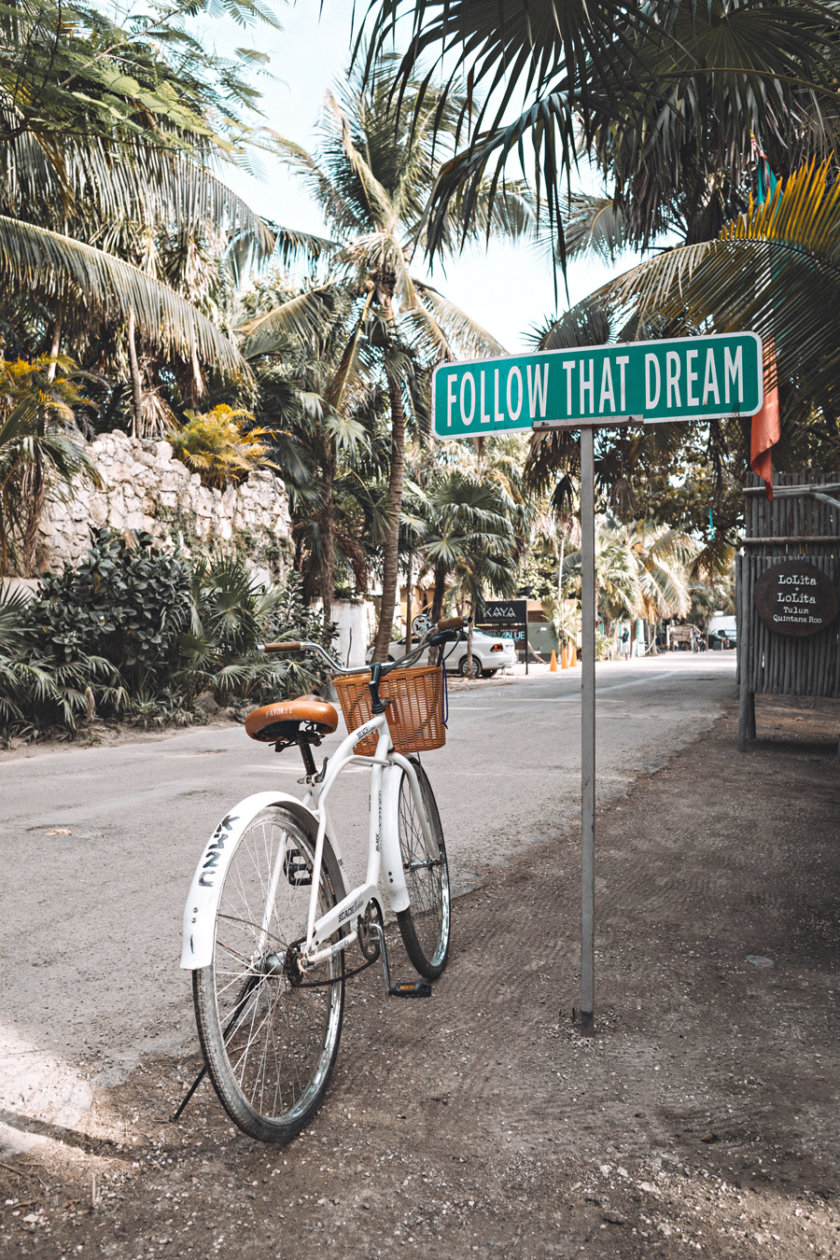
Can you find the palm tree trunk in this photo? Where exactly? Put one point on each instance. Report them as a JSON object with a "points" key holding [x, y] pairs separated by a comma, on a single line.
{"points": [[409, 612], [33, 487], [439, 592], [560, 595], [56, 345], [136, 378], [394, 505], [327, 575]]}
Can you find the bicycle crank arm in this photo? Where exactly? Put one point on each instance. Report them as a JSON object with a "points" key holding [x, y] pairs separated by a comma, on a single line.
{"points": [[407, 989]]}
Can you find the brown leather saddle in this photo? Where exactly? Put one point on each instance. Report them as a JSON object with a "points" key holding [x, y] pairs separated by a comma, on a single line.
{"points": [[282, 721]]}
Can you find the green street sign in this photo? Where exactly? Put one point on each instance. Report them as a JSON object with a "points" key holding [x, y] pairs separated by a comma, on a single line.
{"points": [[686, 378]]}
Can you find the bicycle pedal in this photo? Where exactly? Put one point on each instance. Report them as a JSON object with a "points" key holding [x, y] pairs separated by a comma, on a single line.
{"points": [[417, 989]]}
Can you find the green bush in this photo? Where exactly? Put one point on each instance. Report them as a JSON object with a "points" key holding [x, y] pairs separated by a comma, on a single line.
{"points": [[231, 614], [42, 685], [138, 633], [127, 602]]}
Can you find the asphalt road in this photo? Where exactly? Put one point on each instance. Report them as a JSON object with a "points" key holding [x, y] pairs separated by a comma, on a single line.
{"points": [[98, 847]]}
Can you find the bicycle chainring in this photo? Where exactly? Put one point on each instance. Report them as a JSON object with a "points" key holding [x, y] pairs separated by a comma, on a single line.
{"points": [[368, 940]]}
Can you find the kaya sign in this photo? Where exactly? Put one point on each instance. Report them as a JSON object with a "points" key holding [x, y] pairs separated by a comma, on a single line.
{"points": [[651, 381], [796, 598]]}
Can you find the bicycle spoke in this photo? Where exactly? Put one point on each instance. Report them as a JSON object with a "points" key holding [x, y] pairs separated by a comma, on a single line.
{"points": [[272, 1063]]}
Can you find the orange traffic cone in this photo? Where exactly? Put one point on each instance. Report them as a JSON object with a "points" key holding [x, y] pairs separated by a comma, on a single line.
{"points": [[564, 659], [572, 656], [552, 669]]}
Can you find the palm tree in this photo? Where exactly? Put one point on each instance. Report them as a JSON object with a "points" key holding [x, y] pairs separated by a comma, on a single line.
{"points": [[39, 447], [372, 174], [661, 96], [773, 269], [641, 571], [319, 395], [467, 541], [105, 125]]}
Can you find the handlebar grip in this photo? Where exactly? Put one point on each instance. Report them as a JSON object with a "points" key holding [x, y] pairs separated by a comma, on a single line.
{"points": [[282, 647], [452, 623]]}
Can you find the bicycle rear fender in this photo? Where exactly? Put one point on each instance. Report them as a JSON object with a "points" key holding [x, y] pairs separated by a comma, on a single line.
{"points": [[206, 887]]}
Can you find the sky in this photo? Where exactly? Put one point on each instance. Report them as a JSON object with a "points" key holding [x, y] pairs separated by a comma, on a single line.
{"points": [[507, 289]]}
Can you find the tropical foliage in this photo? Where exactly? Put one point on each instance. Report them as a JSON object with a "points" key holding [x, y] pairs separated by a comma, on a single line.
{"points": [[787, 248], [108, 134], [221, 445], [40, 450], [675, 104], [662, 97], [134, 632], [372, 174]]}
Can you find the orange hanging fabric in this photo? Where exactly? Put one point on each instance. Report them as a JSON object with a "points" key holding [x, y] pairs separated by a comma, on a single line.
{"points": [[765, 430]]}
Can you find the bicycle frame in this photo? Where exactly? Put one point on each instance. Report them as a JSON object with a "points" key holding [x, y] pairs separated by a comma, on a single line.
{"points": [[383, 852]]}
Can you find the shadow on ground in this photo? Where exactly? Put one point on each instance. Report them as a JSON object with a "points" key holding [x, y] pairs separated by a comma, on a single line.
{"points": [[702, 1116]]}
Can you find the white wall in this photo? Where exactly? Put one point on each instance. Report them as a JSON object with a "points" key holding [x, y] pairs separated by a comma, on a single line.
{"points": [[354, 629]]}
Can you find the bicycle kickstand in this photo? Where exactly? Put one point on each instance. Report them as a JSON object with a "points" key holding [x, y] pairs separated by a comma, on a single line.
{"points": [[405, 989]]}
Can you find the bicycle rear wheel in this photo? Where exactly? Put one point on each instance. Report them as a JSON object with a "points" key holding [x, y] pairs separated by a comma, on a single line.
{"points": [[269, 1040], [425, 925]]}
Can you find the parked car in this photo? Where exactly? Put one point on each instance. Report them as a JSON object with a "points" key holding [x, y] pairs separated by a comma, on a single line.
{"points": [[721, 639], [490, 654]]}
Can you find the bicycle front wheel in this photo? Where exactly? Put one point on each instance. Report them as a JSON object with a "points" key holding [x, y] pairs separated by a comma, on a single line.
{"points": [[269, 1035], [425, 925]]}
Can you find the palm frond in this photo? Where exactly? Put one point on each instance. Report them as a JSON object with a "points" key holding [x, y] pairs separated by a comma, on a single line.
{"points": [[306, 316], [774, 270], [55, 266], [595, 225], [449, 329], [660, 93], [339, 210]]}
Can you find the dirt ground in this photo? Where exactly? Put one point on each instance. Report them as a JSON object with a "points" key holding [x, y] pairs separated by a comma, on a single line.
{"points": [[701, 1118]]}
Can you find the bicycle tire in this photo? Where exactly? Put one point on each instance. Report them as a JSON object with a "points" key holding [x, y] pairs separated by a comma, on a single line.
{"points": [[425, 926], [269, 1043]]}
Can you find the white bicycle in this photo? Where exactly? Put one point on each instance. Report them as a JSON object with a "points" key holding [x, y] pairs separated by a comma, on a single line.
{"points": [[269, 925]]}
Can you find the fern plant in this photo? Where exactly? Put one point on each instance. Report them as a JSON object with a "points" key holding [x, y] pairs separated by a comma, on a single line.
{"points": [[218, 445]]}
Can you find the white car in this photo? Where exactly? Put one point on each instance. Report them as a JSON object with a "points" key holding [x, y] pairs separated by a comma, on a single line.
{"points": [[490, 654]]}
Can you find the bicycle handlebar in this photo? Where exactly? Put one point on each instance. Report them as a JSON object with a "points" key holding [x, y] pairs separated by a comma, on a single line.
{"points": [[439, 633]]}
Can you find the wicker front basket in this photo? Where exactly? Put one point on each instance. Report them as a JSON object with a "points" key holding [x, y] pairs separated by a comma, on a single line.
{"points": [[415, 714]]}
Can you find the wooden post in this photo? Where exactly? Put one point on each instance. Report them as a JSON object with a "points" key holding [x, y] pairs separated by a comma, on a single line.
{"points": [[746, 705]]}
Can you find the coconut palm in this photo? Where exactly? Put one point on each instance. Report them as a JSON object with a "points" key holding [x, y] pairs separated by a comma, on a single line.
{"points": [[663, 96], [372, 174], [320, 395], [40, 448], [466, 539], [107, 134]]}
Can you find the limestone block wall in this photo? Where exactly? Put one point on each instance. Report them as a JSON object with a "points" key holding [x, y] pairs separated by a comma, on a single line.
{"points": [[146, 488]]}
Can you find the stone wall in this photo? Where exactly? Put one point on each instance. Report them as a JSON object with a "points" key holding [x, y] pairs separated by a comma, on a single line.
{"points": [[146, 488]]}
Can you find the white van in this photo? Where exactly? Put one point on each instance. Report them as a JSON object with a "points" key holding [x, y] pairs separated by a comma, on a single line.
{"points": [[722, 631]]}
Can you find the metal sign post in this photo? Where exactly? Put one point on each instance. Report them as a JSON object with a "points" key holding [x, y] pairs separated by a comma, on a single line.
{"points": [[587, 731], [584, 389]]}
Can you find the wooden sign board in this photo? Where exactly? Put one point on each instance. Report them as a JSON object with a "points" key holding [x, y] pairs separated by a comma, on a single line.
{"points": [[501, 613], [795, 598]]}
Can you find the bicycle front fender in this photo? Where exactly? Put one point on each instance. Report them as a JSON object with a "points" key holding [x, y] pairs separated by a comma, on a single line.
{"points": [[206, 887]]}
